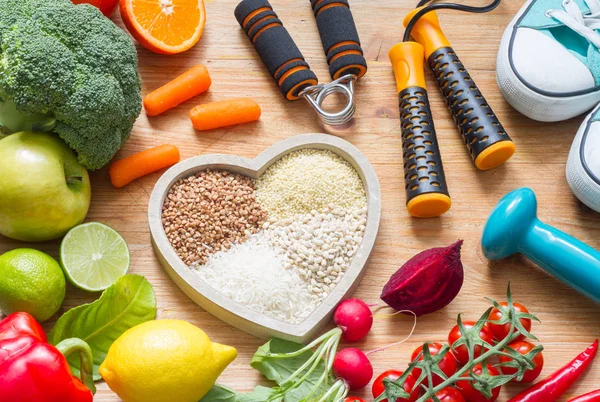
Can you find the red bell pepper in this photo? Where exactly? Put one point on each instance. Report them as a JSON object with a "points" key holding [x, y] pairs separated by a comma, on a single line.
{"points": [[33, 370], [557, 383], [593, 396]]}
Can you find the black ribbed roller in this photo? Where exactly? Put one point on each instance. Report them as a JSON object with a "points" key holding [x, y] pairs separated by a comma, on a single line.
{"points": [[423, 169], [474, 117]]}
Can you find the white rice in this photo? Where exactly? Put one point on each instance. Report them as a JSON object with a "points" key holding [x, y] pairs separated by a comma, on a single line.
{"points": [[254, 274]]}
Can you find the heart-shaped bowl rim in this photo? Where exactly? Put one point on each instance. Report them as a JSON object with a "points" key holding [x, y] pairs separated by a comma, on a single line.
{"points": [[221, 306]]}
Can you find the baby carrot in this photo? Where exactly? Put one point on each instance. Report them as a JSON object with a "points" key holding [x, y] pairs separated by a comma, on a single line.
{"points": [[133, 167], [189, 84], [224, 113]]}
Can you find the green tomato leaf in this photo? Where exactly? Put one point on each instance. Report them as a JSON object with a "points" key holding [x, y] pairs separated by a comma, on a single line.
{"points": [[127, 303]]}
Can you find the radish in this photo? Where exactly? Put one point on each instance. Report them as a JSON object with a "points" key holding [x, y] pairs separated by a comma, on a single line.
{"points": [[351, 367], [354, 367], [354, 318]]}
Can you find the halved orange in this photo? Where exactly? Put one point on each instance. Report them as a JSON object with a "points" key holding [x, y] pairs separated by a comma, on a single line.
{"points": [[164, 26]]}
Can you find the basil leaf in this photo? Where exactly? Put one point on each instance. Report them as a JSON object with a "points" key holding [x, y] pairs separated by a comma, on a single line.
{"points": [[221, 393], [279, 370], [127, 303]]}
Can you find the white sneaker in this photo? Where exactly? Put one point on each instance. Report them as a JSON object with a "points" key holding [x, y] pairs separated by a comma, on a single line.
{"points": [[548, 65], [583, 166]]}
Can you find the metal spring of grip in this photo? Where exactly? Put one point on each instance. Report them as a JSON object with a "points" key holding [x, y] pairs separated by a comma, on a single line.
{"points": [[315, 95]]}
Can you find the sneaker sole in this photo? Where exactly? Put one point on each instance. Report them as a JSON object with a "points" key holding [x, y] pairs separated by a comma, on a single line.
{"points": [[536, 104], [583, 183]]}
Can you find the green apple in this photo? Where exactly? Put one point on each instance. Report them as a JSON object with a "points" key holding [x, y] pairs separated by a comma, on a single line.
{"points": [[44, 191]]}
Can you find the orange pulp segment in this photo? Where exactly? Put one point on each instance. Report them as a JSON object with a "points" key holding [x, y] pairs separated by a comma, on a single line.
{"points": [[164, 26]]}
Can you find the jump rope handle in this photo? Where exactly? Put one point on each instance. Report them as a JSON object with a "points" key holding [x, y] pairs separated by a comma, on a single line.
{"points": [[339, 38], [426, 189], [275, 46], [484, 136]]}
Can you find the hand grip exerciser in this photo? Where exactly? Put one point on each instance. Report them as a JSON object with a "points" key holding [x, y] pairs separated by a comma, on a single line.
{"points": [[513, 227], [425, 182], [287, 65], [339, 38], [484, 136]]}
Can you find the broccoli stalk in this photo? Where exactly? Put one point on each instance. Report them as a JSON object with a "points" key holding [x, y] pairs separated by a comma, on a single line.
{"points": [[12, 120]]}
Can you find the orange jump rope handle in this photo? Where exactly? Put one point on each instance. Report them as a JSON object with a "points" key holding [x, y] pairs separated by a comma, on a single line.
{"points": [[426, 189], [486, 139]]}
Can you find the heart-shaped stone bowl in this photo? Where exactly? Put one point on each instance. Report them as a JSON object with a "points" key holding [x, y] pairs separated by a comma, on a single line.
{"points": [[232, 312]]}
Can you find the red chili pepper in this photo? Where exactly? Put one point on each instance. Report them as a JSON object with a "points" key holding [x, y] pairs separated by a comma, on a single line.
{"points": [[33, 370], [593, 396], [557, 383]]}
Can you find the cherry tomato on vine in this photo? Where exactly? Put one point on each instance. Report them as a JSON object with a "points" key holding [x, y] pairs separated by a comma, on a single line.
{"points": [[409, 385], [500, 331], [523, 347], [447, 364], [470, 393], [449, 394], [461, 353], [353, 399]]}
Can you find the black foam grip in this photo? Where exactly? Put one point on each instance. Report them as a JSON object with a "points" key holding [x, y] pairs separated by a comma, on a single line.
{"points": [[247, 7], [275, 46], [262, 26], [423, 169], [287, 67], [336, 28], [319, 4], [296, 82], [474, 117], [341, 49], [252, 22], [348, 64]]}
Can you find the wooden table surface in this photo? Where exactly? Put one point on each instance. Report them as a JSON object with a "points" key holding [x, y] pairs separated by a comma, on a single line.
{"points": [[569, 321]]}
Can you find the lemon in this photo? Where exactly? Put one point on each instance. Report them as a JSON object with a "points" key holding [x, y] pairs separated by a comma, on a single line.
{"points": [[31, 281], [164, 361]]}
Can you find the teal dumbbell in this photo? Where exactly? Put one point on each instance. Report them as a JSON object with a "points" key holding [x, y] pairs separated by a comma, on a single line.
{"points": [[513, 227]]}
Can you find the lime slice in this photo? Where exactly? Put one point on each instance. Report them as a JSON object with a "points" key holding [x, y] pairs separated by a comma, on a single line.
{"points": [[94, 256]]}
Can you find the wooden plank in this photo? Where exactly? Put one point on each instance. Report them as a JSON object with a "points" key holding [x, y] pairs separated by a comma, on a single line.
{"points": [[569, 320]]}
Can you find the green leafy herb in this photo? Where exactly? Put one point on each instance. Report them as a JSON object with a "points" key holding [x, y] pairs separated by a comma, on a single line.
{"points": [[484, 382], [127, 303], [268, 360], [299, 373], [221, 393]]}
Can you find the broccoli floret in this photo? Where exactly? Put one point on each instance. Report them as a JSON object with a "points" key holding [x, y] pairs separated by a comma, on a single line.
{"points": [[69, 69]]}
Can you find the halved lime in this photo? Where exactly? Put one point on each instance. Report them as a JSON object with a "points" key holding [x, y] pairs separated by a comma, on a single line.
{"points": [[94, 256]]}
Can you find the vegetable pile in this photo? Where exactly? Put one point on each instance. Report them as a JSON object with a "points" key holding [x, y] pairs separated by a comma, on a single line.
{"points": [[479, 358], [70, 70], [315, 372], [467, 369]]}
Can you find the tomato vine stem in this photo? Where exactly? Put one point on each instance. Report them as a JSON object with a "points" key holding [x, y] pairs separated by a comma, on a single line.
{"points": [[470, 338]]}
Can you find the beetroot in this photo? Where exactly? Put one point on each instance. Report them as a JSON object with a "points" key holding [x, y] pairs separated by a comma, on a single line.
{"points": [[427, 282]]}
